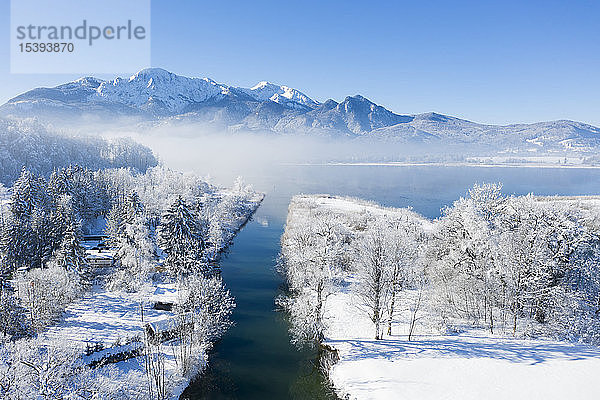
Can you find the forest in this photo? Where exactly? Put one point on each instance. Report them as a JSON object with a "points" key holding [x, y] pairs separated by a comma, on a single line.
{"points": [[519, 266], [26, 143], [164, 232]]}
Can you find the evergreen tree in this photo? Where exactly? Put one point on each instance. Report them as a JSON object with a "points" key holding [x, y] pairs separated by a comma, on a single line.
{"points": [[70, 254], [24, 239], [89, 198], [29, 192], [180, 238], [13, 320], [131, 239]]}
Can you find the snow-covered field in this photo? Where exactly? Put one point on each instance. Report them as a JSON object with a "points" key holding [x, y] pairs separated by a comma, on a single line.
{"points": [[467, 364], [113, 320], [106, 317]]}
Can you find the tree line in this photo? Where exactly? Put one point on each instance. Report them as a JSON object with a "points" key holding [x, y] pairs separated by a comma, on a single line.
{"points": [[518, 265], [162, 226], [24, 143]]}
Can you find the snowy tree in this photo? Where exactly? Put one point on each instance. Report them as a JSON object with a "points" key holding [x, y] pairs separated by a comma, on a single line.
{"points": [[23, 244], [404, 236], [70, 254], [28, 193], [376, 284], [13, 320], [134, 247], [465, 273], [203, 314], [45, 293], [312, 263], [532, 265], [88, 195], [179, 237]]}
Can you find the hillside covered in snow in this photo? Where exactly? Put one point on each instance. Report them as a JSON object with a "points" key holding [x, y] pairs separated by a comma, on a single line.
{"points": [[27, 144]]}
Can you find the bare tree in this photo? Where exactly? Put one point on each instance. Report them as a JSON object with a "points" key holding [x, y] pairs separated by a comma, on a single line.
{"points": [[202, 315], [375, 274], [154, 365], [403, 237], [311, 259]]}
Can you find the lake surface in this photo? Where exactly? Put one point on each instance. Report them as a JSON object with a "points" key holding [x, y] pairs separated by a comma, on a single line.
{"points": [[255, 359]]}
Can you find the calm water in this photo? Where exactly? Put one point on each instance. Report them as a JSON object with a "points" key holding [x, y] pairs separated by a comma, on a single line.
{"points": [[255, 360]]}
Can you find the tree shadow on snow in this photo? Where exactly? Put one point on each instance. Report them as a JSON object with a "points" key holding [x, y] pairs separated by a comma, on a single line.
{"points": [[467, 346]]}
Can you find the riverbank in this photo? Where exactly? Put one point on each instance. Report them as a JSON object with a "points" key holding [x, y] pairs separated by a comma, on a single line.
{"points": [[108, 327], [464, 363]]}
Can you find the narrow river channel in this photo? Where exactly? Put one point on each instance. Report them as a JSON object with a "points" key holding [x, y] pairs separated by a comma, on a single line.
{"points": [[255, 359]]}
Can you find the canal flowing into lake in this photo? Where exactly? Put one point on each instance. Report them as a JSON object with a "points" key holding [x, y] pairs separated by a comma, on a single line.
{"points": [[255, 359]]}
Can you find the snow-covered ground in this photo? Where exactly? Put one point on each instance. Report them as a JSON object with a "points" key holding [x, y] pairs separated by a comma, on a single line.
{"points": [[106, 317], [468, 364], [113, 319]]}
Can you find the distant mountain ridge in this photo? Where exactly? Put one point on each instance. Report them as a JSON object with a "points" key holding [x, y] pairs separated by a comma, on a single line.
{"points": [[156, 94]]}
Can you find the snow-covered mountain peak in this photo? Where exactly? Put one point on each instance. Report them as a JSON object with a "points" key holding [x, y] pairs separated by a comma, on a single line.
{"points": [[261, 85], [151, 73], [155, 93], [88, 81], [158, 89], [264, 90]]}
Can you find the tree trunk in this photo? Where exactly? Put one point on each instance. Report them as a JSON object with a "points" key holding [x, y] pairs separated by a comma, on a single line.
{"points": [[391, 316]]}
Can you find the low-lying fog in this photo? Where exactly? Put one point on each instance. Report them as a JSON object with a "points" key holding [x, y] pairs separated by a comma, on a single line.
{"points": [[223, 156]]}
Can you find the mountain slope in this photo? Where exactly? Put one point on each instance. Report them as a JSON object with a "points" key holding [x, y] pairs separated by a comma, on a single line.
{"points": [[156, 94]]}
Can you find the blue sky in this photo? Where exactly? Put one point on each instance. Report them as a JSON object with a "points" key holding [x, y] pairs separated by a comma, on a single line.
{"points": [[493, 62]]}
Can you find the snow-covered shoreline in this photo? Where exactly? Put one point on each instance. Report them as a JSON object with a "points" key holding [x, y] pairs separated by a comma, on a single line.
{"points": [[469, 363], [113, 319], [128, 334], [454, 164]]}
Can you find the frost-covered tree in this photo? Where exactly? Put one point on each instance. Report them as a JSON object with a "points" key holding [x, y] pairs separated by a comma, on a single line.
{"points": [[405, 237], [203, 314], [534, 253], [41, 224], [46, 292], [374, 264], [29, 192], [23, 241], [312, 261], [465, 274], [13, 320], [131, 239], [179, 236], [495, 258], [524, 265], [70, 254], [42, 369], [89, 197]]}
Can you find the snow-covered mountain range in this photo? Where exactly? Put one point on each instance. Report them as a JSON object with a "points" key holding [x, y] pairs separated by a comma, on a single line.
{"points": [[156, 94]]}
